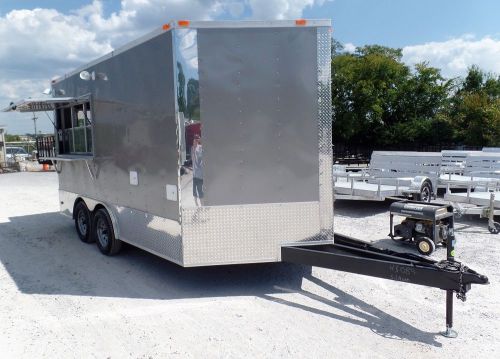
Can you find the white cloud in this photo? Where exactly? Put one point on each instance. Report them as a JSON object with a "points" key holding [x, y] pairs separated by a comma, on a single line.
{"points": [[349, 47], [280, 9], [454, 56]]}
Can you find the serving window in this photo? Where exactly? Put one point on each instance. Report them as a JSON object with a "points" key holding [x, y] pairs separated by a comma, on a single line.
{"points": [[74, 129]]}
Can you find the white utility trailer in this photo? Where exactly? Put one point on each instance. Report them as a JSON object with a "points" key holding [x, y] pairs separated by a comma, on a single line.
{"points": [[480, 187], [391, 174]]}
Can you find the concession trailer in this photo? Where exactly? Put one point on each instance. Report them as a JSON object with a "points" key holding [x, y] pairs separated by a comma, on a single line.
{"points": [[210, 143]]}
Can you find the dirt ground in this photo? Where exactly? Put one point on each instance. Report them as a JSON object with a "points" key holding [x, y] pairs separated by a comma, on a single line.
{"points": [[60, 298]]}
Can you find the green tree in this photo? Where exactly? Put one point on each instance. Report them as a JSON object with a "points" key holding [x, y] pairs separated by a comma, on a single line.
{"points": [[12, 138], [193, 100], [379, 101], [181, 88], [475, 109]]}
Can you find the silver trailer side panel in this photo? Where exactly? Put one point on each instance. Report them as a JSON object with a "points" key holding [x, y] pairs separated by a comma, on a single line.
{"points": [[134, 129], [258, 93], [265, 114]]}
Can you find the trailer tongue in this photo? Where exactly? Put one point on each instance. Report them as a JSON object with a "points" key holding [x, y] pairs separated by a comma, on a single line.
{"points": [[355, 256]]}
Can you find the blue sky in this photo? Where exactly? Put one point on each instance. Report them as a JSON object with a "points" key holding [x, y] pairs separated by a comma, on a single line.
{"points": [[399, 23], [451, 35]]}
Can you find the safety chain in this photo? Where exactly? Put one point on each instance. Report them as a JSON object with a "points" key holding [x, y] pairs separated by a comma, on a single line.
{"points": [[456, 266]]}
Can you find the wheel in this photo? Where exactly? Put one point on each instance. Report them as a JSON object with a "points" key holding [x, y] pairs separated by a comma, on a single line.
{"points": [[425, 194], [425, 245], [495, 229], [83, 222], [102, 231]]}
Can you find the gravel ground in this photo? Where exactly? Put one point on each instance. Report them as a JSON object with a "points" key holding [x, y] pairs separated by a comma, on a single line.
{"points": [[60, 298]]}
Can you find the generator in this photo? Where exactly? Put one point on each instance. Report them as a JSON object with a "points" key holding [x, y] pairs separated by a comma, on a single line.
{"points": [[426, 224]]}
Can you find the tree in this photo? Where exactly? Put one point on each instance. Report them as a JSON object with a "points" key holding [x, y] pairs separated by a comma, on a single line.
{"points": [[181, 88], [475, 109], [378, 101], [12, 138], [193, 100]]}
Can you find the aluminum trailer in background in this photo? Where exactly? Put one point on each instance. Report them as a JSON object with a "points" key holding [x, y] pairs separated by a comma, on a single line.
{"points": [[391, 174], [256, 183], [481, 181]]}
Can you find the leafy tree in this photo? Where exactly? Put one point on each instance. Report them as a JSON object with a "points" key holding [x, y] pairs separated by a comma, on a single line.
{"points": [[12, 138], [379, 102], [193, 100], [475, 109], [181, 88]]}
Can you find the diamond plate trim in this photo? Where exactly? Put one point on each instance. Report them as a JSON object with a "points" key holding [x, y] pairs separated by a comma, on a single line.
{"points": [[246, 233], [325, 132], [154, 234]]}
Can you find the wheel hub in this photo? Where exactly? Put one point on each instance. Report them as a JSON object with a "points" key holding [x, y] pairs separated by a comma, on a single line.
{"points": [[82, 223], [424, 246], [425, 194], [102, 233]]}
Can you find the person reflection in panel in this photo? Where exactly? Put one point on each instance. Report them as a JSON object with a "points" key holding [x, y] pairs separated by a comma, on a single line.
{"points": [[197, 160]]}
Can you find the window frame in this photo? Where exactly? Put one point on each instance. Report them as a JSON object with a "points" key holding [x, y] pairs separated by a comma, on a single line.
{"points": [[85, 105]]}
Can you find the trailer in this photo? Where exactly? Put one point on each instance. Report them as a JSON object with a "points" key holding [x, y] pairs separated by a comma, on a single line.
{"points": [[391, 174], [209, 143], [478, 185]]}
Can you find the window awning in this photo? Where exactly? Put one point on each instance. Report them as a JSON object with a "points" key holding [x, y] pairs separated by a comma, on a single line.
{"points": [[39, 104]]}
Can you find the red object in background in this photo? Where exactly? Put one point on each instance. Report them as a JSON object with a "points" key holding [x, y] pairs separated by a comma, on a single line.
{"points": [[191, 130]]}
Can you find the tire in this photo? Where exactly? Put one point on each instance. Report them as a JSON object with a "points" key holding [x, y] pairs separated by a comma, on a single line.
{"points": [[83, 222], [425, 194], [495, 229], [425, 245], [103, 234]]}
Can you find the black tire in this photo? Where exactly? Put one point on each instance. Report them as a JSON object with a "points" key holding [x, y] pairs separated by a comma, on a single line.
{"points": [[425, 245], [83, 223], [425, 194], [495, 229], [103, 234]]}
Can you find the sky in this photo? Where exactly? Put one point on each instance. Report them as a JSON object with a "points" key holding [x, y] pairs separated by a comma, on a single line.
{"points": [[43, 39]]}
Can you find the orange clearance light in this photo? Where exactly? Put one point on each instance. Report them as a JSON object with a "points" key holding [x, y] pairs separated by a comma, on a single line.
{"points": [[166, 27], [183, 23], [300, 22]]}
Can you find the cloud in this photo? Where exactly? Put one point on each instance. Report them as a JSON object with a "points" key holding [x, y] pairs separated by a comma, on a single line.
{"points": [[349, 47], [280, 9], [41, 43], [454, 56]]}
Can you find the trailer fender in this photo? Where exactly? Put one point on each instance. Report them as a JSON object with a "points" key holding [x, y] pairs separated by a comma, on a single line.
{"points": [[92, 205], [417, 183]]}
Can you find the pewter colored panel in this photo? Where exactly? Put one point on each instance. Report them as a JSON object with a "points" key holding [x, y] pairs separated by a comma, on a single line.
{"points": [[134, 129], [247, 233], [258, 94]]}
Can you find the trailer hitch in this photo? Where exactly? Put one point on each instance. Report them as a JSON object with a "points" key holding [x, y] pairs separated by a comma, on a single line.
{"points": [[351, 255]]}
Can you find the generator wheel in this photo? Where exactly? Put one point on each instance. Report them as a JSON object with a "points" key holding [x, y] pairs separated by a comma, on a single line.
{"points": [[425, 245], [495, 229], [425, 194], [83, 222], [102, 231]]}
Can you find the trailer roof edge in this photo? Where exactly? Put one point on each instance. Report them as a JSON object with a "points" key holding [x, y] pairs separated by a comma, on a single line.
{"points": [[196, 25]]}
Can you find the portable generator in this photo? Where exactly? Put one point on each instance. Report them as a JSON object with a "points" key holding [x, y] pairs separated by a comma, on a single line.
{"points": [[426, 224]]}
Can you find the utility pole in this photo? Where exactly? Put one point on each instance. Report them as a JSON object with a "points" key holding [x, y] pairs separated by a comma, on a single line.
{"points": [[34, 122]]}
